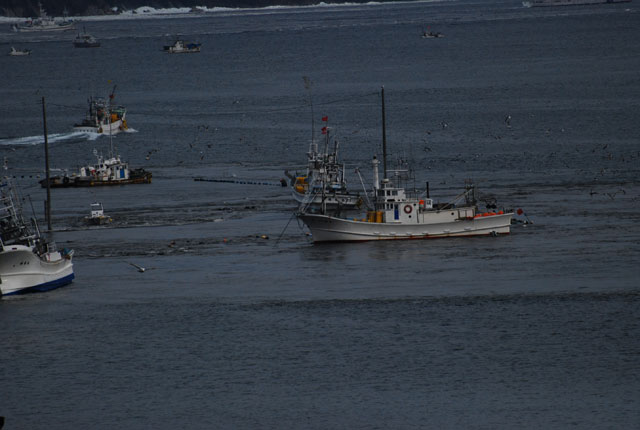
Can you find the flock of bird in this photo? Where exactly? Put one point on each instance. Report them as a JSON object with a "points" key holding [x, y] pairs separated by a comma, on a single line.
{"points": [[607, 155]]}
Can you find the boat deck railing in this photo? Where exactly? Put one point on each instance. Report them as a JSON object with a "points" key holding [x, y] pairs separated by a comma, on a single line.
{"points": [[51, 247], [7, 208]]}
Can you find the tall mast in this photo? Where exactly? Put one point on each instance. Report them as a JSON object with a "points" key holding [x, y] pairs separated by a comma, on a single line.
{"points": [[112, 155], [384, 138], [110, 135], [307, 85], [46, 167], [325, 131]]}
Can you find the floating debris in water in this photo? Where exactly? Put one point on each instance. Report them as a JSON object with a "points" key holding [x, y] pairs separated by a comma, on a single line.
{"points": [[139, 268]]}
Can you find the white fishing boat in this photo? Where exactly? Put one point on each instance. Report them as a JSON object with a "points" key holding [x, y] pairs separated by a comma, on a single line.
{"points": [[19, 52], [324, 183], [97, 216], [85, 40], [182, 47], [44, 23], [103, 117], [399, 214], [27, 261]]}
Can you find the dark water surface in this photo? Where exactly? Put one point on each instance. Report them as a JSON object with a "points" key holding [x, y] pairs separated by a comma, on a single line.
{"points": [[226, 329]]}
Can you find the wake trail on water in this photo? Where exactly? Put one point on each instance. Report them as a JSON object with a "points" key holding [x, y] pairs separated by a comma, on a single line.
{"points": [[56, 137]]}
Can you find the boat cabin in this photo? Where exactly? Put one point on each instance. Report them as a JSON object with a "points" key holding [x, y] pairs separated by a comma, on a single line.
{"points": [[394, 206], [112, 169], [97, 210]]}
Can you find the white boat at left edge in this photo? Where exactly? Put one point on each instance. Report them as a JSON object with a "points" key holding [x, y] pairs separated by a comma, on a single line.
{"points": [[28, 263]]}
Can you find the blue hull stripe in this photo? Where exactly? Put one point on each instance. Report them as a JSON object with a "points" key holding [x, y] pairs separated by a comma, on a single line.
{"points": [[51, 285]]}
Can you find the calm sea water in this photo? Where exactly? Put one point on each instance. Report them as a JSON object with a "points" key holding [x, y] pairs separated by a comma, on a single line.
{"points": [[226, 329]]}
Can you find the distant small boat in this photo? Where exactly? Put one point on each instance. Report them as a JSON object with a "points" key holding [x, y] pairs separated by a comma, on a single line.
{"points": [[428, 34], [85, 40], [97, 216], [43, 23], [19, 52], [182, 47]]}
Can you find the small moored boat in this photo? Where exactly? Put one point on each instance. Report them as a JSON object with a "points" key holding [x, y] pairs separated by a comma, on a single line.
{"points": [[182, 47], [19, 52], [85, 40], [428, 34], [97, 216]]}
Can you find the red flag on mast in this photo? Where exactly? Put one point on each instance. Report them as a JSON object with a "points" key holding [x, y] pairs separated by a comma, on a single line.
{"points": [[325, 118], [324, 130]]}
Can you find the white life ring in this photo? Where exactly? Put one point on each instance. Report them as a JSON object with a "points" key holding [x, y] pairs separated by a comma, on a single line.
{"points": [[408, 209]]}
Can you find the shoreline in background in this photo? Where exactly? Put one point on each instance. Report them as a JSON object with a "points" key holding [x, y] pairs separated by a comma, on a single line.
{"points": [[152, 12]]}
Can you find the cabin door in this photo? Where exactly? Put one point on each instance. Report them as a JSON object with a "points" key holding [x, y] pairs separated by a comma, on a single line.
{"points": [[465, 213]]}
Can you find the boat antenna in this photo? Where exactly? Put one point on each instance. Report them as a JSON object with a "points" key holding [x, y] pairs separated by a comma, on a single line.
{"points": [[46, 167], [307, 85], [325, 131], [111, 155], [384, 137]]}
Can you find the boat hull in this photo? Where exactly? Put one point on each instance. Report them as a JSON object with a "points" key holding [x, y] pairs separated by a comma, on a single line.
{"points": [[98, 220], [22, 271], [103, 128], [331, 229], [184, 51], [86, 44], [81, 181], [180, 47], [36, 28]]}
